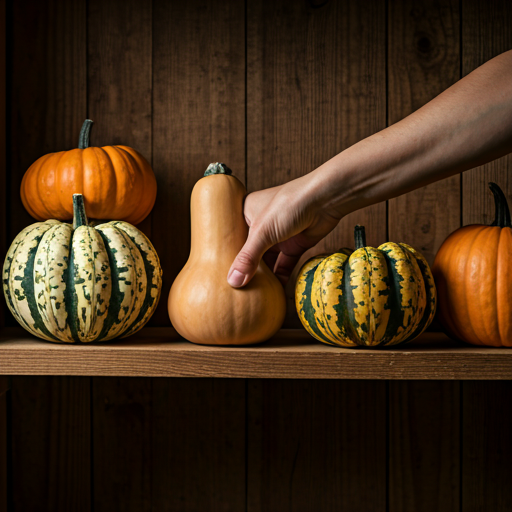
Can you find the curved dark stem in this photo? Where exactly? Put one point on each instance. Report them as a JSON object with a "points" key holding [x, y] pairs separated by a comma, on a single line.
{"points": [[359, 237], [502, 218], [85, 133], [79, 216]]}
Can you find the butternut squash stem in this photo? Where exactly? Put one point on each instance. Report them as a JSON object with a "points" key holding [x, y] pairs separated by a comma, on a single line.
{"points": [[502, 218], [217, 168], [79, 216], [85, 133], [359, 237]]}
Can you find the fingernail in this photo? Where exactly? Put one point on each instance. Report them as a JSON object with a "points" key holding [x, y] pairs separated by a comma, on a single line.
{"points": [[236, 279]]}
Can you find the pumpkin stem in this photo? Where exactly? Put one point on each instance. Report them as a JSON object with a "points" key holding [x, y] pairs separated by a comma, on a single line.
{"points": [[79, 216], [502, 212], [85, 132], [359, 237], [217, 168]]}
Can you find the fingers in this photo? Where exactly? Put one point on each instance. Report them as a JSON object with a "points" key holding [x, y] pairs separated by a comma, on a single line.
{"points": [[246, 263], [284, 266], [270, 257]]}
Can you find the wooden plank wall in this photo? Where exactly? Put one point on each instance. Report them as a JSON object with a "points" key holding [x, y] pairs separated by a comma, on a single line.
{"points": [[423, 60], [4, 381], [273, 88]]}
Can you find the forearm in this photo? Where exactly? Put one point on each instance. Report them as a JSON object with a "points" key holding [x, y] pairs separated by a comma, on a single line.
{"points": [[467, 125]]}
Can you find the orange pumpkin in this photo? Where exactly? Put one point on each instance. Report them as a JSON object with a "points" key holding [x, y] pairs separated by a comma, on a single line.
{"points": [[474, 280], [116, 182]]}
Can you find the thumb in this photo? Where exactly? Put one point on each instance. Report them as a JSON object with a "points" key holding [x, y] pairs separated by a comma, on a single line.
{"points": [[246, 263]]}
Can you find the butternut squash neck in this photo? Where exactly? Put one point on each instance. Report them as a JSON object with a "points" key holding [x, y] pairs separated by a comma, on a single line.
{"points": [[219, 229]]}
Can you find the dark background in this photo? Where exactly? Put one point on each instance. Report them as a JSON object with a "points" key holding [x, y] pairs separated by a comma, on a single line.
{"points": [[273, 89]]}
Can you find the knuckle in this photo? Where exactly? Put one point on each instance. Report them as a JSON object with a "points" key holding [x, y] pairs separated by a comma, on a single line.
{"points": [[246, 259]]}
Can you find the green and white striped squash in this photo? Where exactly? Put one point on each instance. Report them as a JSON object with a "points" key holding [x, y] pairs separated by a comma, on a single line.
{"points": [[366, 298], [80, 284]]}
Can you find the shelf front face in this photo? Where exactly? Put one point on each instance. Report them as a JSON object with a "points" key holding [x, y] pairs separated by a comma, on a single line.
{"points": [[291, 354]]}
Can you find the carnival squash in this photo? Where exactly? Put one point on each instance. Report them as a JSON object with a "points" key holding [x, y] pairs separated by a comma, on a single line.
{"points": [[369, 297], [473, 274], [80, 284], [203, 307], [116, 182]]}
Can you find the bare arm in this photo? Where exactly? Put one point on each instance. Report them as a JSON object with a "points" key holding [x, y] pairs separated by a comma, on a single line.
{"points": [[465, 126]]}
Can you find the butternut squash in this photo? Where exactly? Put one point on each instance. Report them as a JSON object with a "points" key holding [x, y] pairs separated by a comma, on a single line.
{"points": [[203, 307]]}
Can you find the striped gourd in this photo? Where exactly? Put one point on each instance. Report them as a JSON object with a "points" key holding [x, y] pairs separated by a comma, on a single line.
{"points": [[80, 284], [369, 297]]}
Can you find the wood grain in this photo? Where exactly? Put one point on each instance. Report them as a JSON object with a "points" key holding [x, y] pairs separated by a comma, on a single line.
{"points": [[424, 446], [47, 90], [487, 447], [119, 76], [51, 449], [316, 445], [315, 85], [3, 145], [291, 354], [50, 418], [198, 443], [486, 444], [198, 114], [485, 34], [122, 426], [153, 437], [120, 102], [5, 460], [423, 61]]}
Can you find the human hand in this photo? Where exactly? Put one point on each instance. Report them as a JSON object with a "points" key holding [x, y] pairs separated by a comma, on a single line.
{"points": [[283, 223]]}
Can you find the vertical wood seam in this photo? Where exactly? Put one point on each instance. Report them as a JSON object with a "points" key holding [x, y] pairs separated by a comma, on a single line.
{"points": [[246, 430], [388, 443], [461, 201], [10, 497], [152, 105], [91, 442], [9, 41], [245, 85], [91, 403], [388, 402], [461, 441], [386, 66], [87, 59]]}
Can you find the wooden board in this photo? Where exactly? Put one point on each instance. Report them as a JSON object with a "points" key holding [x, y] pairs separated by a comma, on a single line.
{"points": [[121, 444], [485, 34], [5, 444], [423, 60], [486, 423], [198, 114], [3, 145], [316, 445], [291, 354], [51, 434], [424, 446], [315, 85], [50, 418], [198, 445], [47, 90], [119, 76], [154, 437], [487, 446], [120, 103]]}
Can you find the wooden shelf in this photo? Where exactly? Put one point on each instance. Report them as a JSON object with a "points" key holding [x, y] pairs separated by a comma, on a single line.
{"points": [[291, 354]]}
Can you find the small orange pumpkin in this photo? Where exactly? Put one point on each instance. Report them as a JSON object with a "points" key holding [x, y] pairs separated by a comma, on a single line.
{"points": [[116, 181], [474, 280]]}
